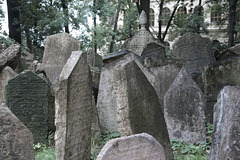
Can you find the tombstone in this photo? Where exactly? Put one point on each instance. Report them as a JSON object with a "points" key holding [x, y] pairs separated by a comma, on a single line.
{"points": [[229, 52], [154, 50], [16, 139], [94, 59], [138, 107], [165, 75], [137, 43], [114, 56], [6, 74], [10, 57], [196, 50], [106, 101], [217, 76], [26, 60], [27, 97], [58, 49], [184, 110], [226, 137], [139, 146], [73, 102]]}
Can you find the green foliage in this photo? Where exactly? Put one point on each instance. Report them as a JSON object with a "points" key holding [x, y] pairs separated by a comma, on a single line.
{"points": [[45, 154]]}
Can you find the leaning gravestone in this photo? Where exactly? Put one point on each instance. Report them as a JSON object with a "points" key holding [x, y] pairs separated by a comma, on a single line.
{"points": [[73, 101], [6, 74], [184, 110], [138, 107], [16, 141], [154, 50], [58, 49], [226, 133], [196, 50], [26, 96], [137, 147], [137, 43]]}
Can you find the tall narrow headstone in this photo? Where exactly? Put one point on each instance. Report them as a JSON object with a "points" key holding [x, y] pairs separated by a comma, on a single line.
{"points": [[73, 101], [184, 110], [138, 107], [58, 49], [27, 97], [226, 133], [136, 147], [5, 75], [16, 141]]}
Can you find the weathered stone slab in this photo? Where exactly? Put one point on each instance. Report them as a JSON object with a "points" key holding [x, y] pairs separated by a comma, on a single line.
{"points": [[6, 74], [229, 52], [58, 49], [184, 110], [94, 59], [154, 50], [73, 102], [138, 107], [196, 50], [139, 146], [26, 96], [16, 141], [114, 56], [137, 43], [226, 139], [10, 57], [106, 102]]}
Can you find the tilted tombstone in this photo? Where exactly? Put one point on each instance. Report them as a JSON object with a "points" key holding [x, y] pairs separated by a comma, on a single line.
{"points": [[58, 49], [138, 107], [154, 50], [138, 147], [27, 97], [184, 110], [6, 74], [16, 141], [137, 43], [226, 133], [73, 102], [196, 50], [229, 52]]}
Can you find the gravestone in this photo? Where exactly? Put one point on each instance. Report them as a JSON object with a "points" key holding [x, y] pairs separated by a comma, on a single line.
{"points": [[6, 74], [184, 110], [154, 50], [229, 52], [94, 59], [16, 141], [10, 57], [73, 102], [138, 107], [106, 101], [226, 133], [137, 43], [58, 49], [196, 50], [114, 56], [27, 97], [137, 147], [165, 75]]}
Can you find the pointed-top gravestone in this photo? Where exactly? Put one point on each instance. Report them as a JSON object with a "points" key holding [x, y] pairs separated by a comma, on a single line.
{"points": [[27, 97], [16, 141], [136, 147], [184, 110], [73, 101], [58, 49], [138, 107], [5, 75], [143, 19], [226, 133]]}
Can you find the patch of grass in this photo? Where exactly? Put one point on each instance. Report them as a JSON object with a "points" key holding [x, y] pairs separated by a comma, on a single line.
{"points": [[45, 154]]}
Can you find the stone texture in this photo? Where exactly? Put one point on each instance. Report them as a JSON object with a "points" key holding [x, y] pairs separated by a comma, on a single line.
{"points": [[136, 147], [196, 50], [58, 49], [27, 97], [106, 101], [16, 141], [94, 59], [73, 101], [226, 139], [114, 56], [10, 57], [6, 74], [154, 50], [184, 110], [138, 107], [230, 52]]}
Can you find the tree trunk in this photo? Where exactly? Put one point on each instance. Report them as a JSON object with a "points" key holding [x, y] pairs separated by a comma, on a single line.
{"points": [[115, 26], [145, 5], [14, 20], [232, 21], [159, 21], [95, 25], [65, 12]]}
